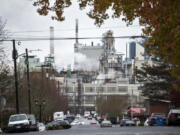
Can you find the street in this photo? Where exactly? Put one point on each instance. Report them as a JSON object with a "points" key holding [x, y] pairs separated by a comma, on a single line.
{"points": [[115, 130]]}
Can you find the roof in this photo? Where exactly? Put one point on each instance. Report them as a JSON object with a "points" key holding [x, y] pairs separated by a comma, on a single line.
{"points": [[137, 109]]}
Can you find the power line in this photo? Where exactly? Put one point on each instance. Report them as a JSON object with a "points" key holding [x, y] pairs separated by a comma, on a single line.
{"points": [[72, 29], [71, 38]]}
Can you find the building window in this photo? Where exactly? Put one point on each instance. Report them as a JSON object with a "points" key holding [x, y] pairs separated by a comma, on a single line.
{"points": [[111, 89], [90, 89], [122, 88], [100, 89], [89, 99]]}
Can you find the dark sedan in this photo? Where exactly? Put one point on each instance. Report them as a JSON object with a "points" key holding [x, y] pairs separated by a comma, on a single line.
{"points": [[173, 117], [127, 122], [58, 124]]}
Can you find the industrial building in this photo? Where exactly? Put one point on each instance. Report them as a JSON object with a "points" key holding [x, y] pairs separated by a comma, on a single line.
{"points": [[113, 77]]}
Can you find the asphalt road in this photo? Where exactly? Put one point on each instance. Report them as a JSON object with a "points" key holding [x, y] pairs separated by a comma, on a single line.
{"points": [[115, 130]]}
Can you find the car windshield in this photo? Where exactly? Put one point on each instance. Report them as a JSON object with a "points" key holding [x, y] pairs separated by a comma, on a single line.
{"points": [[17, 118]]}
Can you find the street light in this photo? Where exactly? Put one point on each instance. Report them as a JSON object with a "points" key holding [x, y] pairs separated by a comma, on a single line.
{"points": [[40, 104]]}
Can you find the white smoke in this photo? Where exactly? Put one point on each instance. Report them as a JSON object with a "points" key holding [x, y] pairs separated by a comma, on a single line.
{"points": [[85, 64]]}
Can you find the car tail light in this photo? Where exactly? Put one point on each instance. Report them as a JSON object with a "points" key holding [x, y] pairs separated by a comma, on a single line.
{"points": [[172, 115]]}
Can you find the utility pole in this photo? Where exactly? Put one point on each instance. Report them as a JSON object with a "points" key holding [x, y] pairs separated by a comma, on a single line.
{"points": [[42, 79], [132, 105], [79, 96], [40, 113], [14, 55], [28, 81], [58, 89], [126, 61]]}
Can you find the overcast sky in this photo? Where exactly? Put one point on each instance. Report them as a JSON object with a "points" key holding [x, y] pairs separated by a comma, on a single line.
{"points": [[23, 21]]}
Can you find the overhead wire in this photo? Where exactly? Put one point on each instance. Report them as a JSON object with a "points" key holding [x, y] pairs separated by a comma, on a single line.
{"points": [[72, 29], [69, 38]]}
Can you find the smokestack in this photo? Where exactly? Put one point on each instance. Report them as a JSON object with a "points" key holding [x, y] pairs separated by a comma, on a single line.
{"points": [[76, 31], [91, 43], [51, 41]]}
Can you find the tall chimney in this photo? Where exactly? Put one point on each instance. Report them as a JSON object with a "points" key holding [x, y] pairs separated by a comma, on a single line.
{"points": [[76, 31], [51, 41]]}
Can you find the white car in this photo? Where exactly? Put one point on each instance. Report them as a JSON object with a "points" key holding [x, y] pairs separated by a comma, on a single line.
{"points": [[18, 122], [41, 127], [77, 122], [146, 123], [78, 116]]}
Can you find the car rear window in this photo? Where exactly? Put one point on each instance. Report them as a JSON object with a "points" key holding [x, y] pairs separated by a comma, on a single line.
{"points": [[106, 122], [175, 111], [158, 115]]}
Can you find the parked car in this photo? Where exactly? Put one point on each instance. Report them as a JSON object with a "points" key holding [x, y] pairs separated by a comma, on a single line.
{"points": [[100, 120], [113, 120], [58, 124], [32, 122], [86, 114], [127, 122], [173, 117], [93, 123], [136, 121], [18, 122], [146, 123], [78, 116], [41, 127], [70, 118], [90, 117], [106, 123], [77, 122], [158, 119], [64, 123], [52, 125]]}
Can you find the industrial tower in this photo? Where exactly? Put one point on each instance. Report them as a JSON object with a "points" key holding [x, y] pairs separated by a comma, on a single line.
{"points": [[50, 58]]}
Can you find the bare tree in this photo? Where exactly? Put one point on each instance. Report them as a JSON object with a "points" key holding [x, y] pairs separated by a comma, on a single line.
{"points": [[112, 106], [4, 67]]}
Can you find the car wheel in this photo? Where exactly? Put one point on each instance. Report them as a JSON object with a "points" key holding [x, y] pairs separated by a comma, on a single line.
{"points": [[169, 123]]}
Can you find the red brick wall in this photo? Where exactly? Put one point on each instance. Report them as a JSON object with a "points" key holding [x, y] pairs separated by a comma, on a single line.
{"points": [[159, 107]]}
